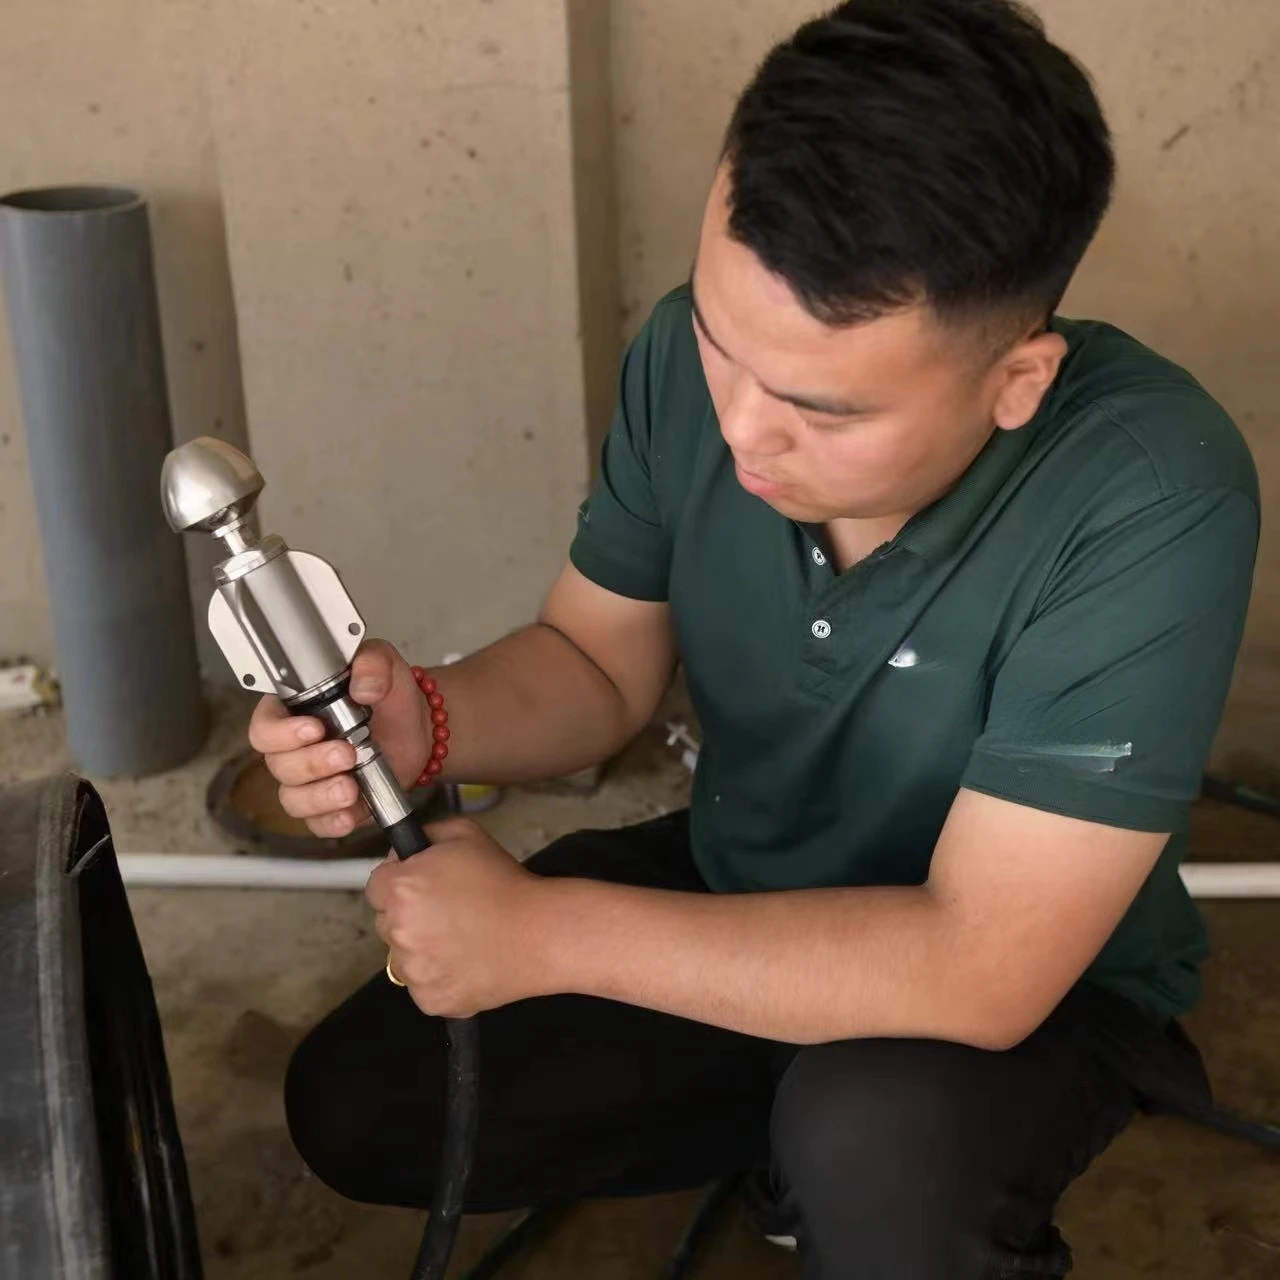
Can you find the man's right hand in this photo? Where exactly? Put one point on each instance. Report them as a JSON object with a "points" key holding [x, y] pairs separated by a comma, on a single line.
{"points": [[315, 777]]}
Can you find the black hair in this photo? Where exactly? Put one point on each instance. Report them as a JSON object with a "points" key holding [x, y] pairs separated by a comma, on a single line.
{"points": [[904, 151]]}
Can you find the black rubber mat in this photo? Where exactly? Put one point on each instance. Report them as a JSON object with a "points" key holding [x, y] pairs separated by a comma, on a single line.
{"points": [[93, 1183]]}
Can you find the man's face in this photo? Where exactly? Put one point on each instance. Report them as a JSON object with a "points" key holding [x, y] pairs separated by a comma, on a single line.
{"points": [[870, 421]]}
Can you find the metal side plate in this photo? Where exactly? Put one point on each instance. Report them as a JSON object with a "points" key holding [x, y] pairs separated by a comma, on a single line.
{"points": [[336, 607], [236, 648]]}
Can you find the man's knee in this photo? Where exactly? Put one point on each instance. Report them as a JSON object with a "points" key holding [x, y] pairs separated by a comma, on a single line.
{"points": [[316, 1113], [879, 1146], [362, 1129], [871, 1112]]}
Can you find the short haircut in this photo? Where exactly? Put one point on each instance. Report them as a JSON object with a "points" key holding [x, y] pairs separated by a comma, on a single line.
{"points": [[896, 152]]}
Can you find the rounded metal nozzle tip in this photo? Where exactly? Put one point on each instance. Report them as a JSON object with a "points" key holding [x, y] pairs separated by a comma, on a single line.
{"points": [[206, 483]]}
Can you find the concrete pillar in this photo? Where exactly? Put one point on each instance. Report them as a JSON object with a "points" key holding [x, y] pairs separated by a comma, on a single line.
{"points": [[399, 181]]}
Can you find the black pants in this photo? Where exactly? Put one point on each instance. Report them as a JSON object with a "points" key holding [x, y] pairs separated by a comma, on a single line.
{"points": [[894, 1159]]}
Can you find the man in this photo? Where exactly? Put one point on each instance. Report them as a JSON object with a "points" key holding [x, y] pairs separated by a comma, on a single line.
{"points": [[958, 587]]}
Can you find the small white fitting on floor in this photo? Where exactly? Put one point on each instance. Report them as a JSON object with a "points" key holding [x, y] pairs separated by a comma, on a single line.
{"points": [[26, 686]]}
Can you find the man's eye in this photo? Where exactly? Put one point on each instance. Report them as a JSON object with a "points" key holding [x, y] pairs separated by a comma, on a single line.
{"points": [[827, 421], [821, 421]]}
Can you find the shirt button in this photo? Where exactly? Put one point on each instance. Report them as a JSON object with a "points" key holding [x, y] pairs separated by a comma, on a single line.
{"points": [[821, 629], [818, 558]]}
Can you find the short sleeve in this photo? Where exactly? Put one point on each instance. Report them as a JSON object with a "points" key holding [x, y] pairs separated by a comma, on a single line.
{"points": [[621, 543], [1106, 706]]}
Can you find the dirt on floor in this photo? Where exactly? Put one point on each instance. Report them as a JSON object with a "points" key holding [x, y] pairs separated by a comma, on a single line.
{"points": [[241, 975]]}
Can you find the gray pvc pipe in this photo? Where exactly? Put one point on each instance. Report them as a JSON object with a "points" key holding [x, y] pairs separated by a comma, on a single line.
{"points": [[80, 286]]}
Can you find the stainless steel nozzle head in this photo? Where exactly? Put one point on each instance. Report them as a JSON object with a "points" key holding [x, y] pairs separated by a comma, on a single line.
{"points": [[206, 484]]}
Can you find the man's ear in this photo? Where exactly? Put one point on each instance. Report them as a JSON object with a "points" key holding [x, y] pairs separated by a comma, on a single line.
{"points": [[1023, 377]]}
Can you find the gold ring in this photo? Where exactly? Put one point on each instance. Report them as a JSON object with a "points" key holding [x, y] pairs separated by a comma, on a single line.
{"points": [[391, 974]]}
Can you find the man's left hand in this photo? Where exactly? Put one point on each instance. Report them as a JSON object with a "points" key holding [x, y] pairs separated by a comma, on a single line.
{"points": [[458, 921]]}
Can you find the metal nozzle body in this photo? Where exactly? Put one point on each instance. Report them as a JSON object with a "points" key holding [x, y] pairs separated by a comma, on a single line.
{"points": [[282, 618]]}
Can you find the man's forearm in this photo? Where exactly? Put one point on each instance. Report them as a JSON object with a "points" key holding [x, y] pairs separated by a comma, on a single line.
{"points": [[530, 707], [802, 967]]}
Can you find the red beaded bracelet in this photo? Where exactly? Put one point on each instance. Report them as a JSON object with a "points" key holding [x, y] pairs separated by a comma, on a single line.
{"points": [[439, 726]]}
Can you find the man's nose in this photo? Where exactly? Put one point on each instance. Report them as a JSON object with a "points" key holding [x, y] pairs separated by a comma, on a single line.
{"points": [[753, 422]]}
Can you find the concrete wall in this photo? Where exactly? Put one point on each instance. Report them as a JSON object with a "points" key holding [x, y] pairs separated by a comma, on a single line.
{"points": [[595, 183], [397, 183], [1189, 260], [435, 213], [113, 92]]}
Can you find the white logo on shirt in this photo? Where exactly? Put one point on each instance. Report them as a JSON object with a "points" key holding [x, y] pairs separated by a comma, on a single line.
{"points": [[905, 658]]}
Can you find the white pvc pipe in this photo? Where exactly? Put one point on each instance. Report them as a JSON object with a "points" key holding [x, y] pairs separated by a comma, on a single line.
{"points": [[233, 871], [1232, 879]]}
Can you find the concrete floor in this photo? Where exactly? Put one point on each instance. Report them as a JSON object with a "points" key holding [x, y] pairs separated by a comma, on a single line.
{"points": [[239, 976]]}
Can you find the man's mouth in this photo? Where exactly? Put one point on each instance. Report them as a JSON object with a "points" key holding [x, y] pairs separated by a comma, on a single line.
{"points": [[761, 486]]}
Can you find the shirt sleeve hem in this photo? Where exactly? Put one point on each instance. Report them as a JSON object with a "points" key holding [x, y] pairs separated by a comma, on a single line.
{"points": [[608, 572], [1072, 795]]}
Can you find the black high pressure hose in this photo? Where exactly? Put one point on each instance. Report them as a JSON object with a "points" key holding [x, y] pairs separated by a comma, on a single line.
{"points": [[461, 1109], [285, 623]]}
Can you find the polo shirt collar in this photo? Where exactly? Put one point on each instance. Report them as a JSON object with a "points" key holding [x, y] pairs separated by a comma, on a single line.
{"points": [[939, 529]]}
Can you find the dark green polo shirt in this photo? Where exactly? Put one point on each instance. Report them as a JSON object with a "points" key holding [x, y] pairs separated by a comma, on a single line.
{"points": [[1059, 631]]}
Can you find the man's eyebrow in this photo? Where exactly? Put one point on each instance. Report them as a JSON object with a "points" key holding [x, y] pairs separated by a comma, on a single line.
{"points": [[700, 321], [815, 404]]}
